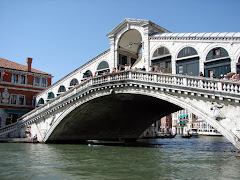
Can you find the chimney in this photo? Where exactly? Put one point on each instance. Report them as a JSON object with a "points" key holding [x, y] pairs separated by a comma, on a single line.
{"points": [[29, 64]]}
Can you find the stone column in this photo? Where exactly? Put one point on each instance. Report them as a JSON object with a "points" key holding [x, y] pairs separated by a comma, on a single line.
{"points": [[145, 48], [112, 60]]}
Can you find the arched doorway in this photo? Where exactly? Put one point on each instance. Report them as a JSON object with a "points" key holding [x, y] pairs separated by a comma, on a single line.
{"points": [[217, 62], [40, 102], [61, 89], [161, 60], [50, 96], [103, 67], [74, 82], [87, 74], [187, 62], [129, 50]]}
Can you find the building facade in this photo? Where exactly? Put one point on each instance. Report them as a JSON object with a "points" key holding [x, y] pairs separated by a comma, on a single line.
{"points": [[19, 85], [206, 129], [166, 124], [184, 122]]}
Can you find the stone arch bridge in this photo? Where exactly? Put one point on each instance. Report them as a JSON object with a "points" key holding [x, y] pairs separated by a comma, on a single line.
{"points": [[124, 104]]}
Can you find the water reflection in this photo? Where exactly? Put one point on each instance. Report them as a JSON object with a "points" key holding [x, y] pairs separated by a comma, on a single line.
{"points": [[196, 158]]}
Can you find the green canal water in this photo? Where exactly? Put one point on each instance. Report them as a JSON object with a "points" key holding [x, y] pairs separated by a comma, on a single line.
{"points": [[178, 158]]}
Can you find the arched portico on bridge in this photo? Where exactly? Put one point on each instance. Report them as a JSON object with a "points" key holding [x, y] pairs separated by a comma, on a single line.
{"points": [[129, 49]]}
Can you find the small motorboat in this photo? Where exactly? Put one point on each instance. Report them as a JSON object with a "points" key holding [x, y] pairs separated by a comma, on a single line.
{"points": [[187, 136], [165, 135], [105, 142]]}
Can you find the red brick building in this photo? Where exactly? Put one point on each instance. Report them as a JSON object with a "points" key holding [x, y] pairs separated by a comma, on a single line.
{"points": [[18, 86], [166, 124]]}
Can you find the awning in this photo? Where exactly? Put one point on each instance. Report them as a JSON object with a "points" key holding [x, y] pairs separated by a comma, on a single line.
{"points": [[10, 111], [183, 116]]}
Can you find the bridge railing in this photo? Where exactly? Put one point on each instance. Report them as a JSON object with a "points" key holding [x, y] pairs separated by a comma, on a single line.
{"points": [[209, 84], [57, 100]]}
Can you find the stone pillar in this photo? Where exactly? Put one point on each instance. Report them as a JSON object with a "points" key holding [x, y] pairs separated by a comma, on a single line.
{"points": [[145, 48], [112, 61]]}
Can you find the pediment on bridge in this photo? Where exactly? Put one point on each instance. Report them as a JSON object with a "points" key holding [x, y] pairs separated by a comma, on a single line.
{"points": [[127, 22]]}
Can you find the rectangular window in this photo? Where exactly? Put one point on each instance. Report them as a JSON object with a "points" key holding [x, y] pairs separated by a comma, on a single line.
{"points": [[44, 82], [13, 99], [36, 81], [14, 78], [21, 99], [22, 79]]}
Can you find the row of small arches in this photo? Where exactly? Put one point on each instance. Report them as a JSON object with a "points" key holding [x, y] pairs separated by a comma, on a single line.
{"points": [[101, 67], [190, 51]]}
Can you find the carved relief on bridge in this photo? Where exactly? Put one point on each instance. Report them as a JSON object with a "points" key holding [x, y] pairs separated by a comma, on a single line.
{"points": [[216, 111]]}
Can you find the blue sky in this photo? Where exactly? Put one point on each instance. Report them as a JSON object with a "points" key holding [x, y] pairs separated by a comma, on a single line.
{"points": [[61, 35]]}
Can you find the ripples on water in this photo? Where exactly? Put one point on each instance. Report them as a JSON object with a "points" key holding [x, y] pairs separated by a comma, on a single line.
{"points": [[178, 158]]}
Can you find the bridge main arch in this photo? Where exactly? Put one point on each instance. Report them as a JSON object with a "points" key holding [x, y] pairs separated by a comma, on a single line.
{"points": [[112, 116], [125, 112]]}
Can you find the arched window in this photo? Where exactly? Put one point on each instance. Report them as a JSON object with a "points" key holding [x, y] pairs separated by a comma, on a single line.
{"points": [[61, 89], [217, 62], [74, 82], [216, 53], [40, 101], [50, 95], [160, 52], [102, 66], [161, 60], [188, 64], [187, 51], [87, 74]]}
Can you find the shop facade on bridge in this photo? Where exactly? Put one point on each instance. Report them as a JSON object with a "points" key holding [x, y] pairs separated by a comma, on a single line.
{"points": [[136, 43]]}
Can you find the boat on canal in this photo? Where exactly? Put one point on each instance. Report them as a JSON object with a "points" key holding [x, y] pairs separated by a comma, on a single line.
{"points": [[188, 135], [105, 142], [165, 135]]}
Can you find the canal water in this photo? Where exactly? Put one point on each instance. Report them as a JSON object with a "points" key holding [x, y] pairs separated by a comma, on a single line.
{"points": [[178, 158]]}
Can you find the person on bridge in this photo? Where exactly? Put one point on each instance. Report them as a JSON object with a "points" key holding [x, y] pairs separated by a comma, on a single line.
{"points": [[143, 69], [150, 69], [213, 76], [200, 74], [114, 70]]}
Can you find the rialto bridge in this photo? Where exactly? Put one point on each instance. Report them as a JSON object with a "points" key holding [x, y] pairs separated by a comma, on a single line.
{"points": [[123, 104]]}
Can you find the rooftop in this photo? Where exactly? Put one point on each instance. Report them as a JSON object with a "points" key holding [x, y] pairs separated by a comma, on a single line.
{"points": [[4, 63], [197, 35]]}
